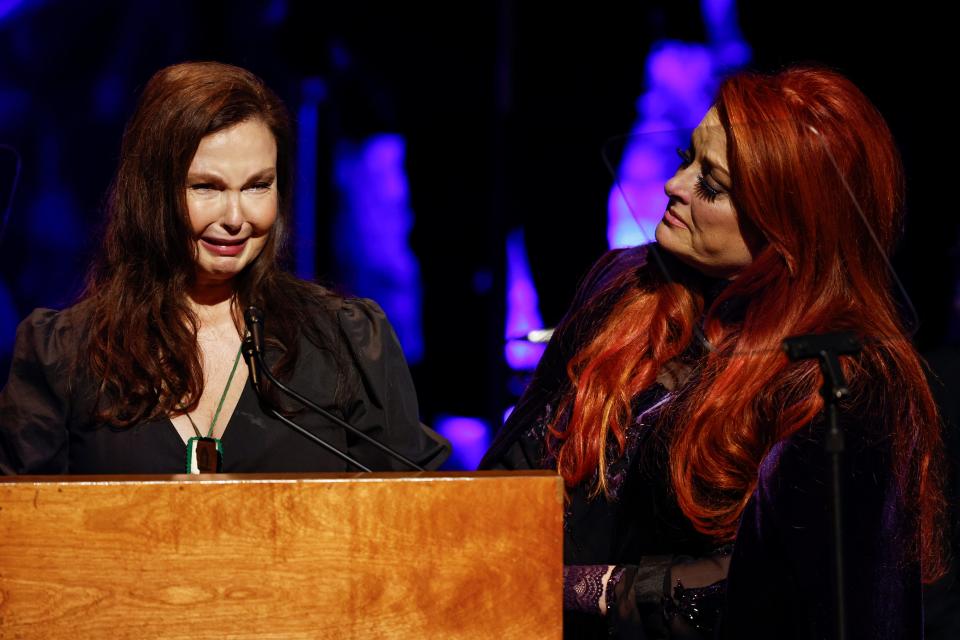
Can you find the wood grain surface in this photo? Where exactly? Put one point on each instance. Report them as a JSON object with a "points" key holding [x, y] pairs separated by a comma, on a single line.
{"points": [[323, 556]]}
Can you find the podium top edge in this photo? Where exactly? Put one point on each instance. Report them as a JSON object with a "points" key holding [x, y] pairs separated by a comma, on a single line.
{"points": [[279, 478]]}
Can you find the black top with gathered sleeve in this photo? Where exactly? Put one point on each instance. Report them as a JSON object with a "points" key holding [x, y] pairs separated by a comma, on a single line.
{"points": [[46, 407], [775, 580]]}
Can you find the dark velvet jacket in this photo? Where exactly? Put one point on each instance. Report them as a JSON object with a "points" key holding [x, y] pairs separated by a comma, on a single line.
{"points": [[46, 423], [779, 583]]}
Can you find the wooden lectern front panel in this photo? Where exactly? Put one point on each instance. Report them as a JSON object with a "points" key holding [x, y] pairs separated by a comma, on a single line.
{"points": [[359, 556]]}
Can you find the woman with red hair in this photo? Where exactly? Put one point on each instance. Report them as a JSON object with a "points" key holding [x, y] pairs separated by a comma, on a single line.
{"points": [[691, 447]]}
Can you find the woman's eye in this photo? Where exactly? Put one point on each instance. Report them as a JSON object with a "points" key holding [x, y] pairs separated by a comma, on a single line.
{"points": [[705, 190], [260, 186], [686, 156], [201, 186]]}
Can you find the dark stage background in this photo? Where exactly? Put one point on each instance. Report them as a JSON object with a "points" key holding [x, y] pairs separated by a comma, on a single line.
{"points": [[488, 118]]}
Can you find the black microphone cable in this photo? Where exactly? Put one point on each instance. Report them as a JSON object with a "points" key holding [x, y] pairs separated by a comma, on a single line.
{"points": [[253, 347]]}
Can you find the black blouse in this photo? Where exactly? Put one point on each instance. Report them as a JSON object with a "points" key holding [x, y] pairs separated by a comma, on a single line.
{"points": [[46, 425]]}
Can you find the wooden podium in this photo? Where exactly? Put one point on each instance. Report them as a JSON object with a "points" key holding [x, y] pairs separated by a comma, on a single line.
{"points": [[384, 555]]}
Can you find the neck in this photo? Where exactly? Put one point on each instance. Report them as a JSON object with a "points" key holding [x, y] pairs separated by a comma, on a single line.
{"points": [[212, 302]]}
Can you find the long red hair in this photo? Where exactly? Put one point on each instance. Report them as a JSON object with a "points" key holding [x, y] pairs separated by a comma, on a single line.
{"points": [[803, 146]]}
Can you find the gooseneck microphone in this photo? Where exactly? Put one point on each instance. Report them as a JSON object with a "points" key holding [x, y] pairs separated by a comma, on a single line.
{"points": [[253, 344], [254, 319], [254, 350]]}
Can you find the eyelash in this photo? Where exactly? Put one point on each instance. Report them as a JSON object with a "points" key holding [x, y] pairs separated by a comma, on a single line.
{"points": [[702, 188], [206, 186]]}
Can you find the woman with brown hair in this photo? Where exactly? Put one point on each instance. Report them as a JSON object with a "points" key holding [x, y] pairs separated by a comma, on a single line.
{"points": [[147, 364], [692, 448]]}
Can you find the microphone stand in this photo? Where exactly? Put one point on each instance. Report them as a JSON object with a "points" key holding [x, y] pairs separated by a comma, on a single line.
{"points": [[826, 348], [253, 349], [256, 363]]}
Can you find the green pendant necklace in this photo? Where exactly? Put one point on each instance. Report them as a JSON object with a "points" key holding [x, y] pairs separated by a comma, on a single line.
{"points": [[205, 453]]}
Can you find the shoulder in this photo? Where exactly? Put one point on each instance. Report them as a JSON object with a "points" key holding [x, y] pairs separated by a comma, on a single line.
{"points": [[611, 277], [375, 352], [366, 328], [357, 325], [612, 267], [330, 310], [49, 336], [356, 313], [359, 320], [607, 281], [46, 355]]}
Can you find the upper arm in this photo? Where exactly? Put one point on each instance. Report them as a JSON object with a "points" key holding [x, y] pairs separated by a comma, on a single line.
{"points": [[388, 408], [34, 404]]}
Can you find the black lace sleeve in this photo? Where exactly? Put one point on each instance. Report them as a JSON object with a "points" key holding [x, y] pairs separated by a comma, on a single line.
{"points": [[666, 597], [674, 597]]}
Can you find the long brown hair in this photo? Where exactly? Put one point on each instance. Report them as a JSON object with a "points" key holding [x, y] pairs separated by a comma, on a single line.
{"points": [[141, 342], [796, 142]]}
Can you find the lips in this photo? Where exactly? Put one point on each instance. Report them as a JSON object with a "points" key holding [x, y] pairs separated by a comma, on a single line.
{"points": [[673, 220], [223, 247]]}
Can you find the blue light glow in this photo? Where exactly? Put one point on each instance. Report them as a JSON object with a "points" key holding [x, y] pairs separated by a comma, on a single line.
{"points": [[54, 222], [10, 167], [8, 322], [7, 7], [730, 50], [275, 12], [313, 92], [371, 233], [108, 94], [470, 438], [14, 104], [523, 315], [681, 81]]}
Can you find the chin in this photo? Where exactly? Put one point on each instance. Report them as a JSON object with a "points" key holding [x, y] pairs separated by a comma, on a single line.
{"points": [[659, 232], [682, 253], [213, 274], [667, 240]]}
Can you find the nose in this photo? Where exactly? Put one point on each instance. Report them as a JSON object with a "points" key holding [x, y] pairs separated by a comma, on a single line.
{"points": [[233, 215], [678, 187]]}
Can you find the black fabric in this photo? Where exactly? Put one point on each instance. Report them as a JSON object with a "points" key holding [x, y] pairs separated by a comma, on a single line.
{"points": [[777, 582], [46, 425], [942, 599]]}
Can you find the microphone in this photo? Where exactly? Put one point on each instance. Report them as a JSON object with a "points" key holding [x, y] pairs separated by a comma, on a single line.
{"points": [[254, 320], [253, 343], [253, 352], [251, 360], [827, 347]]}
